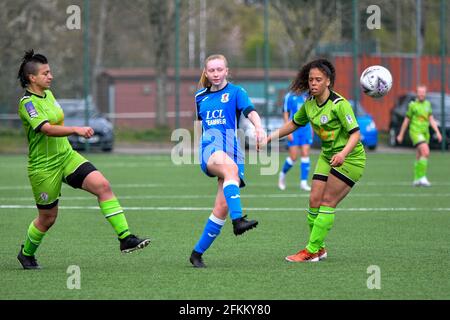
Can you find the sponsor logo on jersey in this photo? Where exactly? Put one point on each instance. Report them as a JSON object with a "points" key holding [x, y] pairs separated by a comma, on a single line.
{"points": [[31, 110], [349, 119], [215, 117], [323, 119], [44, 196], [225, 98]]}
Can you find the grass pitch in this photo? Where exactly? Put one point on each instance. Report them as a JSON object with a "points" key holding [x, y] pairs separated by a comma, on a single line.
{"points": [[384, 222]]}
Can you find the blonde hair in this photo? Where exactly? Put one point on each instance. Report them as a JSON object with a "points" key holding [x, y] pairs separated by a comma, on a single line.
{"points": [[421, 85], [204, 82]]}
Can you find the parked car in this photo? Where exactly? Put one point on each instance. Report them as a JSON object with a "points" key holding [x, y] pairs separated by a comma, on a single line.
{"points": [[367, 127], [398, 113], [74, 115]]}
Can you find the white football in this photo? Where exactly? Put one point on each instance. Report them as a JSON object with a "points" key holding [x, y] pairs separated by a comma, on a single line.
{"points": [[376, 81]]}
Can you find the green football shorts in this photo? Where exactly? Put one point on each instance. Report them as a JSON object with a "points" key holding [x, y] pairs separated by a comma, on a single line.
{"points": [[46, 184], [419, 137], [350, 171]]}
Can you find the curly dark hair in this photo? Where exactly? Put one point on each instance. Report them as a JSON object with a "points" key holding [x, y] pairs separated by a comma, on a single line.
{"points": [[301, 82], [29, 66]]}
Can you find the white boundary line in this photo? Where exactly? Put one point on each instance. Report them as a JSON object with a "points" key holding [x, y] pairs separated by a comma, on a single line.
{"points": [[244, 196], [249, 185], [5, 207]]}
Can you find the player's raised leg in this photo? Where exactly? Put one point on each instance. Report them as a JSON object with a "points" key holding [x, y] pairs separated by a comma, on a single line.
{"points": [[97, 184], [222, 166]]}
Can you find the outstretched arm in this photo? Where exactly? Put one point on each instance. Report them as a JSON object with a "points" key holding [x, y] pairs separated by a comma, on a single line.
{"points": [[259, 131], [62, 131], [286, 119], [286, 129]]}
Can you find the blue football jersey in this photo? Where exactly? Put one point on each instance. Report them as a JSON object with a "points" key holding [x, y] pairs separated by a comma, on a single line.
{"points": [[219, 112], [292, 103]]}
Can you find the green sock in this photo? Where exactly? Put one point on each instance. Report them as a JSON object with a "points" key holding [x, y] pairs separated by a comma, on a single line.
{"points": [[33, 240], [416, 170], [423, 164], [312, 215], [322, 226], [113, 212]]}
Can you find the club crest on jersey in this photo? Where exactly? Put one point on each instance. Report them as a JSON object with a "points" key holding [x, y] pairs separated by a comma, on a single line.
{"points": [[31, 110], [225, 98], [349, 119], [323, 119]]}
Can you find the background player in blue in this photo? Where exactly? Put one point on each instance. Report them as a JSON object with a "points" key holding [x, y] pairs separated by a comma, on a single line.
{"points": [[219, 105], [298, 142]]}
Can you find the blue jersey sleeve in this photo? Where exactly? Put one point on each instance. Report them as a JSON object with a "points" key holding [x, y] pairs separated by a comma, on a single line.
{"points": [[287, 101], [199, 96], [243, 102], [198, 111]]}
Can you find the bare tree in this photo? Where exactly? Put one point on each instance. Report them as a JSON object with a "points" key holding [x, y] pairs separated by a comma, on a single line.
{"points": [[100, 47], [306, 22], [22, 29], [161, 17]]}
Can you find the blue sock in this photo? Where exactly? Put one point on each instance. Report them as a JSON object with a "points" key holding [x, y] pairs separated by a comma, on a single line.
{"points": [[304, 168], [211, 231], [233, 198], [288, 165]]}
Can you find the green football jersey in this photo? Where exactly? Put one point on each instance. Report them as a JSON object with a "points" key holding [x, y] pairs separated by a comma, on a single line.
{"points": [[333, 122], [44, 152], [419, 114]]}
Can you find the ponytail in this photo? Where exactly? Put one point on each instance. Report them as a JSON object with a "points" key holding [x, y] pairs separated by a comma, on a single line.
{"points": [[203, 82]]}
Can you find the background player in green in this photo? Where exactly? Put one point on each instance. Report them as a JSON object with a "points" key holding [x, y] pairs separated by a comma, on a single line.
{"points": [[51, 161], [342, 158], [419, 117]]}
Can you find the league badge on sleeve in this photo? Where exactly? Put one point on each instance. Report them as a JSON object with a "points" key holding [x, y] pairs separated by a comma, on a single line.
{"points": [[349, 119], [31, 110]]}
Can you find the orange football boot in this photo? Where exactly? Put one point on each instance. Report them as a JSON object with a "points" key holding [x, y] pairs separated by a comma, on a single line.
{"points": [[322, 253], [303, 256]]}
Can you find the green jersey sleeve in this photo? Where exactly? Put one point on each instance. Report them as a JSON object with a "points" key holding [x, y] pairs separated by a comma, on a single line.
{"points": [[345, 114], [31, 113], [410, 113], [430, 109], [300, 117]]}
